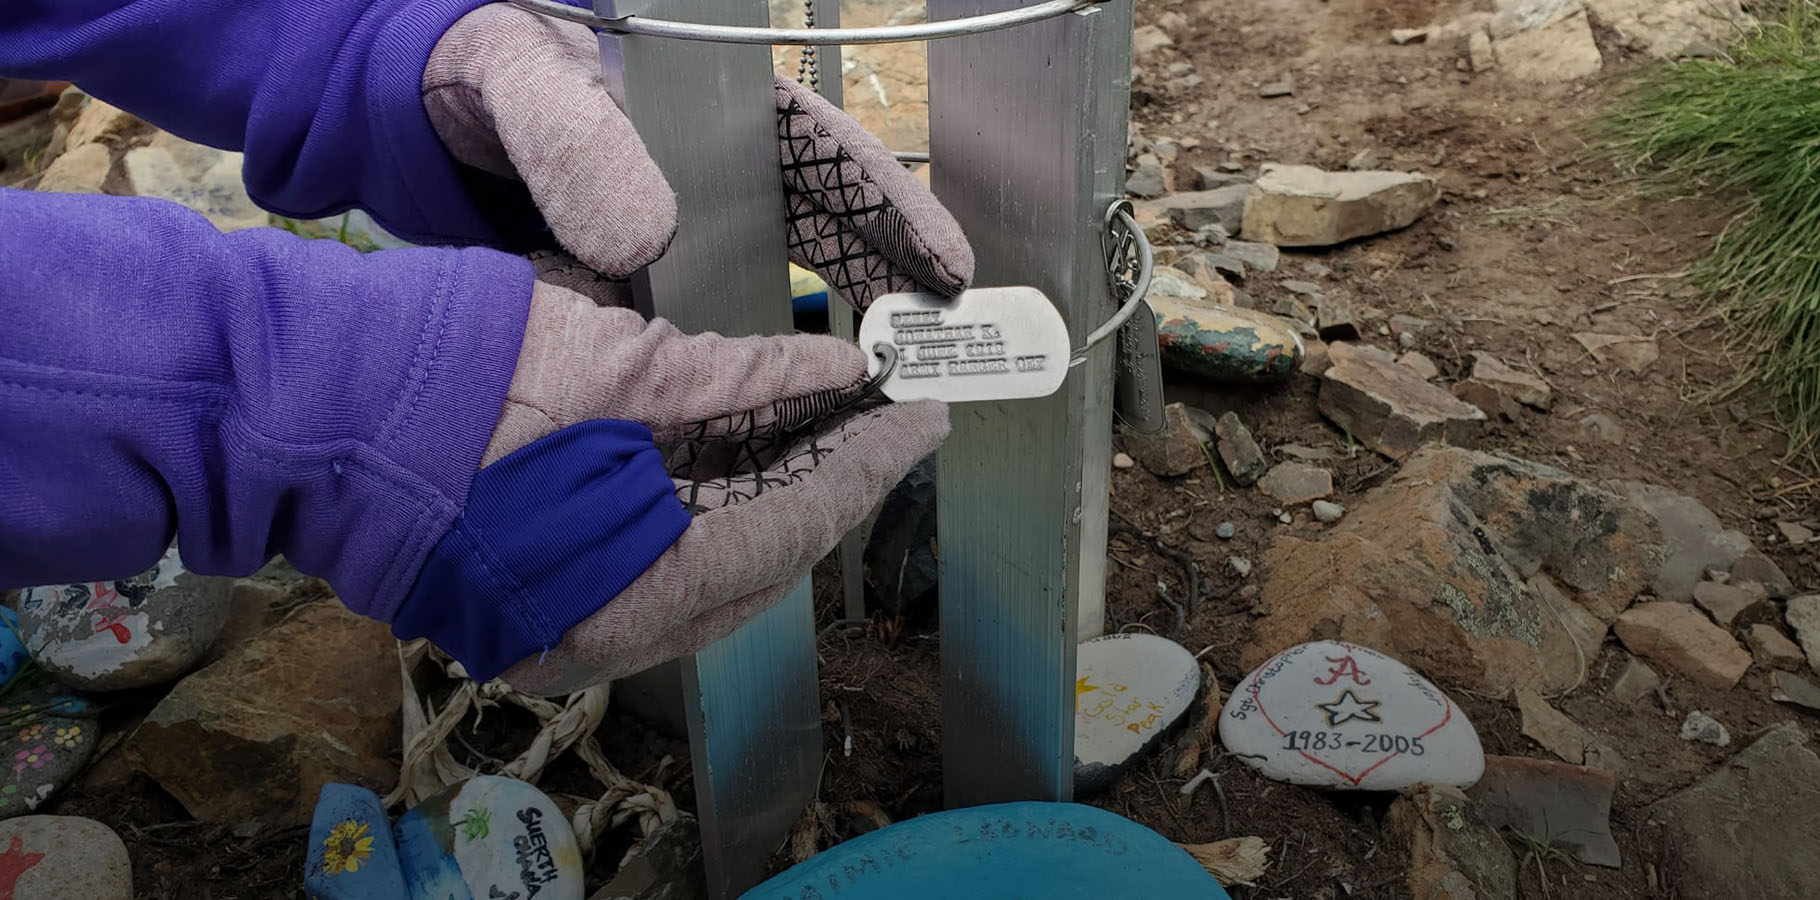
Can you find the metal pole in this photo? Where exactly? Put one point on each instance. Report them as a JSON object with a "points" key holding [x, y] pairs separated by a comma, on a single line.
{"points": [[708, 116], [1028, 126]]}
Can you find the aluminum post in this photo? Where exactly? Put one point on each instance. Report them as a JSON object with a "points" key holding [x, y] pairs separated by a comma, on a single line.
{"points": [[1027, 130]]}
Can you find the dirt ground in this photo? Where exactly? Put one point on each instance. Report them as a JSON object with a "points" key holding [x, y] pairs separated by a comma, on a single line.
{"points": [[1536, 237]]}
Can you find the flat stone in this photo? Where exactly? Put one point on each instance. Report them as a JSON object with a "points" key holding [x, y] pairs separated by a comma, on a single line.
{"points": [[1327, 512], [313, 699], [1281, 88], [1772, 649], [1726, 601], [1209, 270], [1795, 533], [1787, 687], [1390, 408], [1453, 851], [1294, 310], [1129, 691], [1803, 616], [1334, 714], [1522, 387], [1302, 206], [135, 632], [1514, 16], [1057, 851], [47, 741], [1226, 345], [1299, 287], [1483, 570], [1479, 55], [66, 857], [1679, 637], [80, 170], [496, 837], [1670, 29], [1170, 452], [1168, 282], [1207, 178], [1408, 35], [1696, 539], [1489, 399], [1194, 210], [1628, 352], [1148, 180], [1564, 806], [667, 865], [1147, 39], [1562, 736], [1753, 566], [1239, 450], [202, 178], [1262, 257], [1699, 726], [1562, 51], [1419, 364], [1745, 831], [1635, 682], [1122, 461], [1292, 482]]}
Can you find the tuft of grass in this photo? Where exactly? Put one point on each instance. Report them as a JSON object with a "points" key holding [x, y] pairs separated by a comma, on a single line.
{"points": [[1745, 129]]}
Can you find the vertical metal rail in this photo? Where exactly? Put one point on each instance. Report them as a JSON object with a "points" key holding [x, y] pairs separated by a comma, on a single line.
{"points": [[707, 114], [1029, 125]]}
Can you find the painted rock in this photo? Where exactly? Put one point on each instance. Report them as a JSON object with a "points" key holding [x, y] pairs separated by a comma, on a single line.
{"points": [[12, 647], [63, 856], [489, 837], [351, 854], [1332, 714], [1057, 851], [1128, 690], [1225, 343], [44, 742], [139, 631]]}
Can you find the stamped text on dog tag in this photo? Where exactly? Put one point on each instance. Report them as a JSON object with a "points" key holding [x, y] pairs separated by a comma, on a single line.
{"points": [[1006, 343]]}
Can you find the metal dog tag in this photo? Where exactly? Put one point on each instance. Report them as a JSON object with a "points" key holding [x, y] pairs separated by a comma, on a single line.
{"points": [[1006, 343], [1137, 394]]}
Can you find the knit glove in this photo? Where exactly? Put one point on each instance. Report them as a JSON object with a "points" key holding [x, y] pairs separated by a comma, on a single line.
{"points": [[520, 96], [759, 452]]}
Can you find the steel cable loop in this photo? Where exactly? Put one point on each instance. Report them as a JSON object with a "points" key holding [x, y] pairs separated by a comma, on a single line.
{"points": [[818, 37], [1140, 286]]}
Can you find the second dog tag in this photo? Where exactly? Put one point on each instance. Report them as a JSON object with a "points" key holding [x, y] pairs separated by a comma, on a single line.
{"points": [[1006, 343]]}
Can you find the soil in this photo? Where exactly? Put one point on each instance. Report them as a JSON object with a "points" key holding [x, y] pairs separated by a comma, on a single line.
{"points": [[1537, 237]]}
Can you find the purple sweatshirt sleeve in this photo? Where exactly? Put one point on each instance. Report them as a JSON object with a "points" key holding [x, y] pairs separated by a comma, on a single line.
{"points": [[252, 393], [323, 96]]}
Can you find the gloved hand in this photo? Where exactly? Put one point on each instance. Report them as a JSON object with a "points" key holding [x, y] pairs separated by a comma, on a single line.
{"points": [[520, 96], [771, 479]]}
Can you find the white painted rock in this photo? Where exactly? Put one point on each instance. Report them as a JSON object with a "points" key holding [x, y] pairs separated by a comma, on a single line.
{"points": [[1128, 690], [63, 856], [139, 631], [490, 836], [1332, 714]]}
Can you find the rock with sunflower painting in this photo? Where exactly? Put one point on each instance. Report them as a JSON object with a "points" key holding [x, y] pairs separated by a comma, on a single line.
{"points": [[351, 853], [138, 631], [44, 742], [490, 837]]}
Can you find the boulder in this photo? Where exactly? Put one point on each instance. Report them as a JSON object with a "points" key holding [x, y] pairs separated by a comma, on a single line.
{"points": [[1302, 206], [1453, 853], [1746, 831], [1389, 407], [312, 700], [1669, 29], [1486, 570]]}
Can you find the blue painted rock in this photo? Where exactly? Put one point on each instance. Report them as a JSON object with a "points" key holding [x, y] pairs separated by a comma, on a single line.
{"points": [[489, 838], [1332, 714], [351, 854], [1056, 851], [13, 656], [135, 632], [44, 742], [1129, 689], [1225, 343]]}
